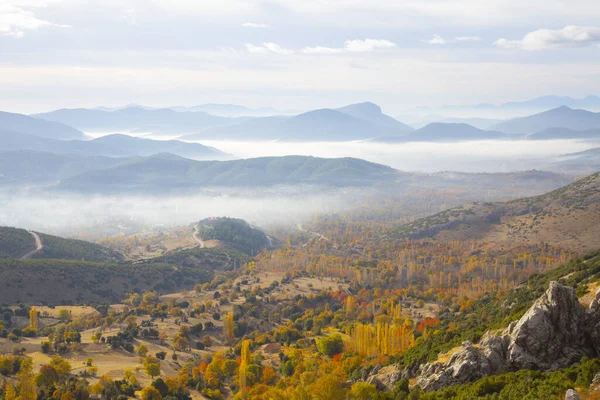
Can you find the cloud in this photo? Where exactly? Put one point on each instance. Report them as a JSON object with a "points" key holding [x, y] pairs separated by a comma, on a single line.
{"points": [[355, 46], [15, 21], [437, 39], [467, 38], [268, 47], [569, 36], [254, 25], [367, 45]]}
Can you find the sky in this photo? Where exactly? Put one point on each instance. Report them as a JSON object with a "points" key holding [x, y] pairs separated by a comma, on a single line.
{"points": [[294, 54]]}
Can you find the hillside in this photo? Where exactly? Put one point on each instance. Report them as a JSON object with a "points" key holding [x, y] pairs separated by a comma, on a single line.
{"points": [[569, 217], [167, 172], [72, 249], [372, 113], [445, 132], [78, 282], [15, 243], [23, 167], [111, 146], [233, 232], [18, 123], [562, 117]]}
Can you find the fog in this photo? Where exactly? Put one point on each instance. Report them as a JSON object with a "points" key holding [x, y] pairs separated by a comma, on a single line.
{"points": [[471, 156], [94, 217]]}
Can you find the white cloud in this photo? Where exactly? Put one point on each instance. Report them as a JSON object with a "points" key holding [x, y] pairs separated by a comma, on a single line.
{"points": [[437, 39], [367, 45], [254, 25], [569, 36], [467, 38], [268, 47], [15, 21], [355, 46]]}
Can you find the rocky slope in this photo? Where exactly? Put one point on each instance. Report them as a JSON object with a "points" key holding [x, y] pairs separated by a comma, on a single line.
{"points": [[556, 332]]}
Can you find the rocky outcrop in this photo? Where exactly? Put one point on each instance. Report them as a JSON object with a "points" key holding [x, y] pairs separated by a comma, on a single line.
{"points": [[572, 395], [554, 333], [385, 378]]}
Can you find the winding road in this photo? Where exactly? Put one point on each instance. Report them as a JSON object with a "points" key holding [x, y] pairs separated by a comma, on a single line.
{"points": [[38, 246], [197, 238]]}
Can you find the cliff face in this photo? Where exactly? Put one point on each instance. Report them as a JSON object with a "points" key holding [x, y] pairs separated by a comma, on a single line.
{"points": [[555, 332]]}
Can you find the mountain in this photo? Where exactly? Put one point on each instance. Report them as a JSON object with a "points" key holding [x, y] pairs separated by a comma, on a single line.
{"points": [[569, 217], [19, 123], [116, 145], [354, 122], [562, 117], [444, 132], [564, 133], [581, 163], [372, 113], [165, 121], [161, 173], [24, 167]]}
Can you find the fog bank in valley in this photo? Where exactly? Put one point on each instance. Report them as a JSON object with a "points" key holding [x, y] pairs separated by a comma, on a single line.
{"points": [[468, 156], [99, 216]]}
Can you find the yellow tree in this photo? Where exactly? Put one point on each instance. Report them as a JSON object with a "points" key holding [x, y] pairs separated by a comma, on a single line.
{"points": [[26, 381], [228, 327], [244, 362], [33, 318], [9, 392]]}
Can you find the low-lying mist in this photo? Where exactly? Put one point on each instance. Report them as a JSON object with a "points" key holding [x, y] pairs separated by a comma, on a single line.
{"points": [[468, 156], [94, 217]]}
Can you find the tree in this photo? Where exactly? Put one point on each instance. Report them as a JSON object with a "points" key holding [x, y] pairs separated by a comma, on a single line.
{"points": [[26, 381], [9, 392], [160, 385], [152, 369], [142, 350], [330, 345], [33, 318], [64, 315], [228, 328], [363, 391], [328, 387], [181, 343], [244, 362], [150, 393]]}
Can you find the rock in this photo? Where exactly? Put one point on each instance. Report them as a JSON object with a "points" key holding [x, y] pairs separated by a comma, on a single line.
{"points": [[572, 395], [555, 332], [385, 378]]}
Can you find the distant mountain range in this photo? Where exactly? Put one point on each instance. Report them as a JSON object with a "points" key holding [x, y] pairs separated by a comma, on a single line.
{"points": [[135, 119], [440, 132], [20, 123], [562, 117], [220, 110], [354, 122], [111, 145], [510, 109]]}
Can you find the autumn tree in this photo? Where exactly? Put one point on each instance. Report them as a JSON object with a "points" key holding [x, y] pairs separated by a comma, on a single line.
{"points": [[33, 318]]}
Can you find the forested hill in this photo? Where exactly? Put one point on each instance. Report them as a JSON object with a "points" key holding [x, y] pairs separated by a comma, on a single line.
{"points": [[164, 172], [16, 243], [569, 216], [233, 232]]}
